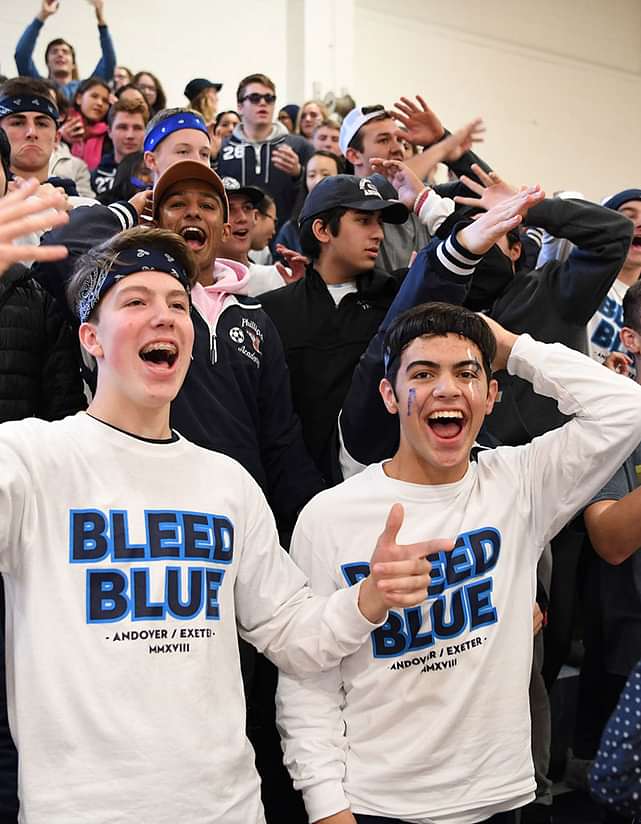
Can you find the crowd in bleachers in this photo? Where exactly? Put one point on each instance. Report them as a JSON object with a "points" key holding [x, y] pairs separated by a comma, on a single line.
{"points": [[221, 331]]}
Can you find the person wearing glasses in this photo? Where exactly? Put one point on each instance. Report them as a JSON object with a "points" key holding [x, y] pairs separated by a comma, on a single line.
{"points": [[260, 151], [263, 232]]}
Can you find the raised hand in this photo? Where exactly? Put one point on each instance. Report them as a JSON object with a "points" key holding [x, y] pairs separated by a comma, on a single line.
{"points": [[491, 191], [23, 212], [456, 144], [47, 8], [399, 573], [99, 6], [482, 233], [422, 126], [296, 261], [407, 184], [72, 130]]}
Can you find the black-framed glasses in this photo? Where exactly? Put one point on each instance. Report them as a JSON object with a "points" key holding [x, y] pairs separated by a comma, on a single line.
{"points": [[256, 98]]}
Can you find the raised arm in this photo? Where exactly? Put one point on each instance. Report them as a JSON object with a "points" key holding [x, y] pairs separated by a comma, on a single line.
{"points": [[27, 43], [107, 63], [441, 272], [88, 226], [601, 238], [559, 472], [422, 127]]}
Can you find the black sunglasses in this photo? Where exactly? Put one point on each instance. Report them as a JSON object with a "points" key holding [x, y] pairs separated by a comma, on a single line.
{"points": [[256, 98]]}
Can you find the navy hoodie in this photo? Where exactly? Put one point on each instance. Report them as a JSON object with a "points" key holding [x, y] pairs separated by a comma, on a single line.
{"points": [[250, 162]]}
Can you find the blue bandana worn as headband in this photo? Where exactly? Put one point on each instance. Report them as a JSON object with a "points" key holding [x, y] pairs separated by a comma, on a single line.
{"points": [[129, 262], [28, 103], [182, 120]]}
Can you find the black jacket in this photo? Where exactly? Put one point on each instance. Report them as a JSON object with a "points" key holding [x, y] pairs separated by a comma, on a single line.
{"points": [[235, 398], [39, 366], [39, 377], [555, 303], [323, 344], [251, 164], [368, 432]]}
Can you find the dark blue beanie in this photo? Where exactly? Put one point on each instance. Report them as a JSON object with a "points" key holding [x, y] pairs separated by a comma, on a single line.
{"points": [[616, 201]]}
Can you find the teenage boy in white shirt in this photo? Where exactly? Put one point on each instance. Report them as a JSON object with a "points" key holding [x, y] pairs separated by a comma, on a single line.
{"points": [[130, 558], [429, 721]]}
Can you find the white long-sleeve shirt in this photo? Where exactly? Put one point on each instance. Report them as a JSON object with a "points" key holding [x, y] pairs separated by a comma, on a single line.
{"points": [[128, 567], [429, 721]]}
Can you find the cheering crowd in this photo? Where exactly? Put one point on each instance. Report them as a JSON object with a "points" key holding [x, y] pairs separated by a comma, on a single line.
{"points": [[223, 333]]}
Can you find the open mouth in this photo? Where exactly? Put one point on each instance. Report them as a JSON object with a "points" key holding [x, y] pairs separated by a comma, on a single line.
{"points": [[446, 424], [194, 237], [636, 241], [160, 353], [240, 234]]}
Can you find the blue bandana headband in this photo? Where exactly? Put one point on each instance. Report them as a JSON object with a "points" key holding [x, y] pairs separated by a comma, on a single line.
{"points": [[28, 103], [129, 262], [182, 120]]}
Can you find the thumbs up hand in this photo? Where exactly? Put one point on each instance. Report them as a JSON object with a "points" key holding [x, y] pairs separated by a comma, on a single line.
{"points": [[399, 573]]}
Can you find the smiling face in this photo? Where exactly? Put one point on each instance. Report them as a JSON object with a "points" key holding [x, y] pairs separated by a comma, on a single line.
{"points": [[94, 103], [310, 117], [318, 168], [184, 144], [226, 125], [32, 137], [147, 86], [632, 210], [355, 249], [242, 216], [60, 60], [194, 211], [141, 337], [441, 397]]}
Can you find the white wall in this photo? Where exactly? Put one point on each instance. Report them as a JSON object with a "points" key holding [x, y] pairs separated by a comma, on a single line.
{"points": [[558, 81], [567, 122], [175, 39]]}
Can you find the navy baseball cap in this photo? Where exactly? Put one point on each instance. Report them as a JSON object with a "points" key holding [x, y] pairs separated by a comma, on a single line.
{"points": [[617, 200], [198, 85], [234, 187], [351, 192]]}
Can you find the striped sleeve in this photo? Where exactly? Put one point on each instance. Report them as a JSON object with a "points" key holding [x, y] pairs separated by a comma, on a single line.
{"points": [[125, 213], [455, 258]]}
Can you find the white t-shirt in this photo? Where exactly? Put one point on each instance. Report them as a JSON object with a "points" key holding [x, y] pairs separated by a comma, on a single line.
{"points": [[429, 721], [129, 566], [606, 323], [339, 290]]}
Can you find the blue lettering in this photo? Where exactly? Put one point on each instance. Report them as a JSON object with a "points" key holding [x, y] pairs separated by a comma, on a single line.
{"points": [[87, 536], [389, 639], [106, 595]]}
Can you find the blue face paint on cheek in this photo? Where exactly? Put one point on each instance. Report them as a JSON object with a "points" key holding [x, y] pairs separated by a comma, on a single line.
{"points": [[411, 400]]}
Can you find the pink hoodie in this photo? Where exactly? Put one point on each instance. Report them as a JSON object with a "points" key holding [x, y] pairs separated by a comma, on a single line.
{"points": [[230, 278]]}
